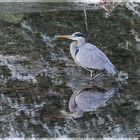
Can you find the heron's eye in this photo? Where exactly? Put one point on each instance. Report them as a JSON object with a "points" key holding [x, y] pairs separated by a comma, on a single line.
{"points": [[79, 35]]}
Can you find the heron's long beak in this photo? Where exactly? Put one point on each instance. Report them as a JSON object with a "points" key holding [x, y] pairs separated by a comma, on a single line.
{"points": [[65, 36]]}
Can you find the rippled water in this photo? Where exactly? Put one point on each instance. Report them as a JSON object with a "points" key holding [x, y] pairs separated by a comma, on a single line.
{"points": [[38, 77]]}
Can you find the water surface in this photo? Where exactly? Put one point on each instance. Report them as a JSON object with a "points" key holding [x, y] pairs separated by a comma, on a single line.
{"points": [[37, 79]]}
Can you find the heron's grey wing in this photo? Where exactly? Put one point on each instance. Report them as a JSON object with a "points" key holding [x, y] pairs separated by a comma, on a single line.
{"points": [[90, 57]]}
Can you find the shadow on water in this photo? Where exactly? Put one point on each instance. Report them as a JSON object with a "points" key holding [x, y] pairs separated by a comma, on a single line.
{"points": [[38, 77]]}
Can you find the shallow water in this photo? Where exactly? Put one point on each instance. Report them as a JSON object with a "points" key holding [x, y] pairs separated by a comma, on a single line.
{"points": [[37, 79]]}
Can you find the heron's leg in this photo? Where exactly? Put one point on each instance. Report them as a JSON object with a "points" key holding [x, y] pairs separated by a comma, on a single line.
{"points": [[91, 73]]}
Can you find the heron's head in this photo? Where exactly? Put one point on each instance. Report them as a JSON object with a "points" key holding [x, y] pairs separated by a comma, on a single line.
{"points": [[77, 36]]}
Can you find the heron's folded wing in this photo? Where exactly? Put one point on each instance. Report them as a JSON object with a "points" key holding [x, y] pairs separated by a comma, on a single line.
{"points": [[89, 56]]}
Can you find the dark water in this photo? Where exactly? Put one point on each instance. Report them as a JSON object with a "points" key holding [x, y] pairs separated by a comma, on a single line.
{"points": [[38, 79]]}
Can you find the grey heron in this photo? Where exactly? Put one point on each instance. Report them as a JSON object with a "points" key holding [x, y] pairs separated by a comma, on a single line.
{"points": [[88, 55]]}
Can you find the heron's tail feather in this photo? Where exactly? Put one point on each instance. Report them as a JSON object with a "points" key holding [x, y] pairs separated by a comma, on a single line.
{"points": [[110, 68]]}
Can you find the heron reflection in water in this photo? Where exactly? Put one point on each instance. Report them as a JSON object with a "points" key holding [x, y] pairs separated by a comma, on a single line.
{"points": [[89, 56], [87, 100]]}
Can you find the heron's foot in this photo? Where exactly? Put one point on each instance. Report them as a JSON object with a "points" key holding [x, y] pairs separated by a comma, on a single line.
{"points": [[97, 79], [66, 114], [72, 115], [93, 78]]}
